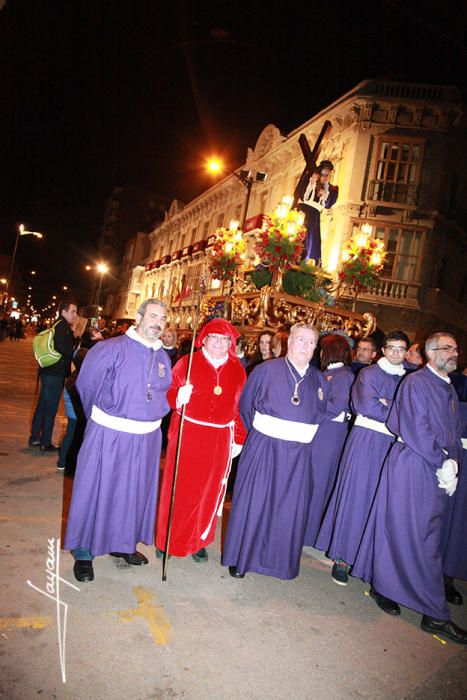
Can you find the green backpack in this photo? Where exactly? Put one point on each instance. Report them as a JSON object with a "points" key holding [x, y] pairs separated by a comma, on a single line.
{"points": [[43, 346]]}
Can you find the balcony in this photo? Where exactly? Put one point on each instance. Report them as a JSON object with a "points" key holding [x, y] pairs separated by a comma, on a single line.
{"points": [[393, 193], [393, 293]]}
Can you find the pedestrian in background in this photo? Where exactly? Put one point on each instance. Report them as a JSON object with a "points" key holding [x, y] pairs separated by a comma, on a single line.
{"points": [[72, 410], [52, 379]]}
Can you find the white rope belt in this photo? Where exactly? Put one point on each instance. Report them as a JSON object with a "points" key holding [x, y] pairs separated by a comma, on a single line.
{"points": [[341, 418], [376, 425], [464, 443], [209, 425], [284, 429], [312, 203], [124, 425]]}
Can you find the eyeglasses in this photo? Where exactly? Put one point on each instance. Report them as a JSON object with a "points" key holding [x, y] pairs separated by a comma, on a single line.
{"points": [[395, 348], [448, 348], [219, 338]]}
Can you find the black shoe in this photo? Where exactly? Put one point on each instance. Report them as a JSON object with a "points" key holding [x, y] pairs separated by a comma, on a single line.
{"points": [[235, 573], [136, 559], [452, 595], [386, 604], [60, 467], [34, 443], [83, 570], [201, 556], [48, 448], [443, 628]]}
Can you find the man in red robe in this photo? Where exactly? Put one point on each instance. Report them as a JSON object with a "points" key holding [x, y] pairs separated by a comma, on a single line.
{"points": [[213, 434]]}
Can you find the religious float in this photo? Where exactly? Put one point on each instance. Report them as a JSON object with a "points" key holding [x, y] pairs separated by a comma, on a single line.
{"points": [[263, 284]]}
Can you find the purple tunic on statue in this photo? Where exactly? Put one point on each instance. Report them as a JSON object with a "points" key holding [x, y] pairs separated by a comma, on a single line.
{"points": [[327, 446], [360, 467], [454, 531], [273, 486], [400, 551], [114, 498]]}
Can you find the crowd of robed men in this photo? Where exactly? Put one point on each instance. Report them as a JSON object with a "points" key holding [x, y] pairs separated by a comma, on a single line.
{"points": [[361, 459]]}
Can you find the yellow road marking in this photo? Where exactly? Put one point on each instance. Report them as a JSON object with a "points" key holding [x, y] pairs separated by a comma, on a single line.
{"points": [[152, 614], [18, 623]]}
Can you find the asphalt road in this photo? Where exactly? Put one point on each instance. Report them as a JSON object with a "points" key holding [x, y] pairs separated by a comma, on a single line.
{"points": [[199, 635]]}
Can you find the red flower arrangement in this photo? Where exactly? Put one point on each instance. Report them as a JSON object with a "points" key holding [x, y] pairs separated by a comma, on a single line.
{"points": [[280, 243], [362, 264], [227, 253]]}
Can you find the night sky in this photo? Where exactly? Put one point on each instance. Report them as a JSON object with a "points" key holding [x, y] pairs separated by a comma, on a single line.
{"points": [[97, 93]]}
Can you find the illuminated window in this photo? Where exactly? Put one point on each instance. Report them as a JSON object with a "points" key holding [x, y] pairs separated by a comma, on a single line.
{"points": [[404, 251], [397, 171]]}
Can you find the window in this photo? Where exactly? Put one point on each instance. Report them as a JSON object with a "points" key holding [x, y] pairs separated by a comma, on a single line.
{"points": [[397, 171], [404, 249], [220, 220], [193, 277], [206, 229], [238, 212], [193, 234]]}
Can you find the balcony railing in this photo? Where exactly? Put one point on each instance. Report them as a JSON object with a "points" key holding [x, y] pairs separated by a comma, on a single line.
{"points": [[393, 193], [393, 292]]}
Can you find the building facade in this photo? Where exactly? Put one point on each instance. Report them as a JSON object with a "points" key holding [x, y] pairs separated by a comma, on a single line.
{"points": [[399, 153]]}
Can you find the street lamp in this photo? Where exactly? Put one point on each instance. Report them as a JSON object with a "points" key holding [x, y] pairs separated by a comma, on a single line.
{"points": [[102, 269], [246, 178], [21, 232]]}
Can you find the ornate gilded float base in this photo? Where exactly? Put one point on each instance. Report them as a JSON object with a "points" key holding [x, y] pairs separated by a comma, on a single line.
{"points": [[269, 309]]}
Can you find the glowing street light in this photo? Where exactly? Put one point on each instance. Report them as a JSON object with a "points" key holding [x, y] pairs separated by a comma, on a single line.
{"points": [[102, 269], [215, 166], [21, 232]]}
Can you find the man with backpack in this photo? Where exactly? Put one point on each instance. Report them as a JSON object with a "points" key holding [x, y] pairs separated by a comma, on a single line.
{"points": [[52, 379]]}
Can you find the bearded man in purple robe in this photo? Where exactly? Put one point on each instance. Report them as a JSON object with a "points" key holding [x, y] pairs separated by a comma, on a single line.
{"points": [[401, 552], [366, 448], [122, 385]]}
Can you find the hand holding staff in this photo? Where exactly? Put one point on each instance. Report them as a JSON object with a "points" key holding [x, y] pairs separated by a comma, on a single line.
{"points": [[184, 393]]}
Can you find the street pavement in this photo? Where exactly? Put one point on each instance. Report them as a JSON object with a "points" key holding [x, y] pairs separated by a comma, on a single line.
{"points": [[201, 634]]}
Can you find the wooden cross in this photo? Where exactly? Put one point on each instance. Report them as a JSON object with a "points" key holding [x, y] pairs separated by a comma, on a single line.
{"points": [[310, 160]]}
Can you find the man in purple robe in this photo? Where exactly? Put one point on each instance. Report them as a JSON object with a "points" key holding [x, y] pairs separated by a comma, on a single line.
{"points": [[401, 549], [363, 456], [122, 385], [454, 531], [281, 406]]}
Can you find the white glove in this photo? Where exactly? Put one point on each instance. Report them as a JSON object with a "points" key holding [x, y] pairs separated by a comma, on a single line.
{"points": [[184, 395], [447, 476], [236, 449]]}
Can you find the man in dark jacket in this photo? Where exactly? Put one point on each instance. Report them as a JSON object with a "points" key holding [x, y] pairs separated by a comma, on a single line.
{"points": [[52, 380]]}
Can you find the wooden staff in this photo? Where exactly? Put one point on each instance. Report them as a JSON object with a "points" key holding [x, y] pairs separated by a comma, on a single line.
{"points": [[165, 559]]}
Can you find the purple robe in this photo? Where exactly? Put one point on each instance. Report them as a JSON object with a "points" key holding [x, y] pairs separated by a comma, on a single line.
{"points": [[312, 223], [360, 467], [454, 532], [400, 551], [273, 486], [327, 447], [114, 498]]}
